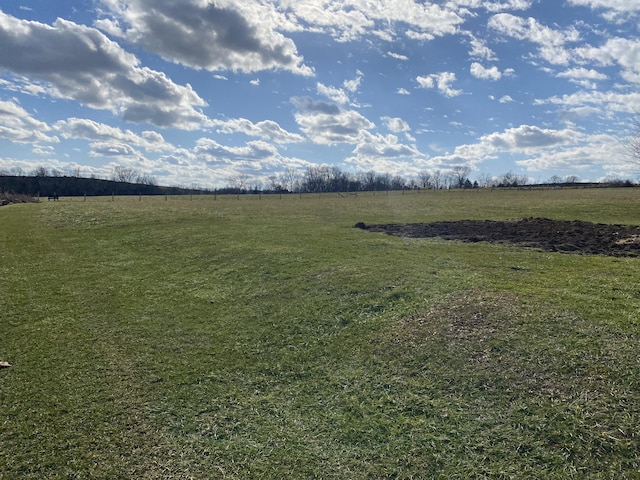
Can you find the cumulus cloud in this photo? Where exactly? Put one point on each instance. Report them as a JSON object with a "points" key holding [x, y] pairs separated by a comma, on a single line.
{"points": [[597, 150], [551, 43], [254, 159], [332, 93], [222, 35], [81, 63], [606, 103], [508, 5], [17, 125], [484, 73], [385, 154], [113, 149], [479, 49], [82, 128], [539, 149], [527, 138], [395, 124], [350, 20], [266, 129], [328, 124], [615, 10], [624, 52], [353, 85], [440, 81], [583, 76], [214, 152]]}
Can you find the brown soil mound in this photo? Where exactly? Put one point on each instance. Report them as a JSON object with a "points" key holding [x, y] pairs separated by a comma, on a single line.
{"points": [[551, 235]]}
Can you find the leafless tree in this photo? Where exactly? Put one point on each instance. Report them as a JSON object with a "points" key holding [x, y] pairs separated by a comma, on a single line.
{"points": [[633, 142], [571, 179], [459, 175], [425, 179], [239, 182], [40, 172], [289, 178], [122, 174]]}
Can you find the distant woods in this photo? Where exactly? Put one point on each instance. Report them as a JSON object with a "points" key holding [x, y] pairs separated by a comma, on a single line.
{"points": [[315, 179], [318, 179], [44, 183]]}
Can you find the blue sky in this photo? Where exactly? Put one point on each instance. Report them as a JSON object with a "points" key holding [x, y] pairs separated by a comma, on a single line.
{"points": [[206, 92]]}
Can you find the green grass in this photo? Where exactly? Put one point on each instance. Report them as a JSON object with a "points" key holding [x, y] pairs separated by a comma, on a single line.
{"points": [[264, 337]]}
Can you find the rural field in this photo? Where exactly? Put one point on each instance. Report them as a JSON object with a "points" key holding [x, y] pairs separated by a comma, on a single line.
{"points": [[266, 337]]}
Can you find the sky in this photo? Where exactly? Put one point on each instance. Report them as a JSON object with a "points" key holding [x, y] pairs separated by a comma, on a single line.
{"points": [[206, 92]]}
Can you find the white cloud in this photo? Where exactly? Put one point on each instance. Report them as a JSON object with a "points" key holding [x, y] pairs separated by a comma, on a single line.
{"points": [[622, 51], [528, 138], [18, 126], [385, 154], [113, 149], [256, 159], [551, 43], [398, 56], [81, 63], [508, 5], [479, 49], [328, 124], [506, 99], [605, 103], [353, 85], [350, 20], [266, 129], [222, 35], [539, 149], [582, 76], [479, 71], [403, 91], [614, 10], [80, 128], [440, 81], [395, 124], [332, 93]]}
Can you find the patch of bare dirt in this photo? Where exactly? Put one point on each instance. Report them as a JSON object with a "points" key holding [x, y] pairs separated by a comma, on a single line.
{"points": [[566, 236]]}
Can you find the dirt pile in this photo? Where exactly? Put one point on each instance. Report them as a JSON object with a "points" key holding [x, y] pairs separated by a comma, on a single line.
{"points": [[551, 235]]}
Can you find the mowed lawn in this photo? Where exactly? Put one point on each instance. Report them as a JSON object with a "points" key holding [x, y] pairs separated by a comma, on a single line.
{"points": [[265, 337]]}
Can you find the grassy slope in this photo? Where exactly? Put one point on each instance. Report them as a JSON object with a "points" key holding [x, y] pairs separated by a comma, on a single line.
{"points": [[268, 339]]}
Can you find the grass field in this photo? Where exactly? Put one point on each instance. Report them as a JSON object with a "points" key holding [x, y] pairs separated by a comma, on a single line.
{"points": [[265, 337]]}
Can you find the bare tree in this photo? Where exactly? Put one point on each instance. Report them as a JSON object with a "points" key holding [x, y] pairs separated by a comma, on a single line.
{"points": [[555, 179], [122, 174], [40, 172], [511, 179], [147, 179], [425, 179], [459, 175], [273, 183], [571, 179], [437, 179], [288, 178], [633, 142], [239, 182]]}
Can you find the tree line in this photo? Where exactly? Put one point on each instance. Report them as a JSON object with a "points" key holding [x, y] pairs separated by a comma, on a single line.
{"points": [[314, 179], [43, 182], [319, 179]]}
